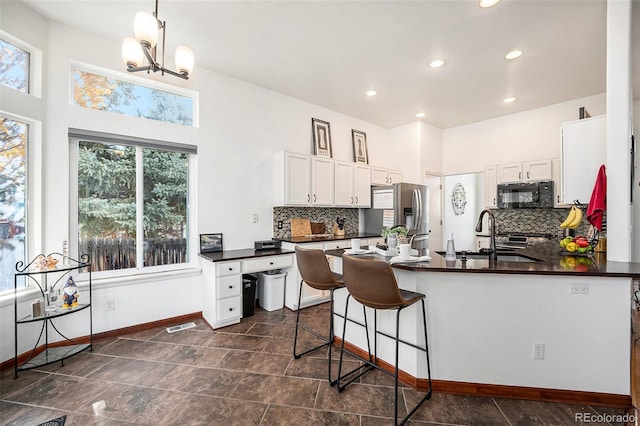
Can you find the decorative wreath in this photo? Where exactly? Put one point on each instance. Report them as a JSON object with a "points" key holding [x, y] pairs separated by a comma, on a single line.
{"points": [[458, 199]]}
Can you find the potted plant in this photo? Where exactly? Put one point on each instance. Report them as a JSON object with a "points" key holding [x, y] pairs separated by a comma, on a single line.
{"points": [[401, 230]]}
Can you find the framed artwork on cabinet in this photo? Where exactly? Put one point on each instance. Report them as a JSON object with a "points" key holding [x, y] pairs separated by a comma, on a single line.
{"points": [[210, 243], [321, 138], [360, 151]]}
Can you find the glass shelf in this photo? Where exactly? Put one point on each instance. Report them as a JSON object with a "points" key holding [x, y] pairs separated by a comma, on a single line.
{"points": [[53, 354], [59, 312]]}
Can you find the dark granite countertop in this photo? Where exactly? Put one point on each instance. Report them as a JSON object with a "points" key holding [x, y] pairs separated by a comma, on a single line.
{"points": [[221, 256], [299, 240], [551, 262]]}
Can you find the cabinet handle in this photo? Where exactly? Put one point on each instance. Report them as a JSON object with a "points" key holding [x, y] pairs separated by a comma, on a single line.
{"points": [[494, 201], [308, 198], [527, 175], [558, 198], [356, 200], [519, 175], [314, 198], [390, 180], [351, 200]]}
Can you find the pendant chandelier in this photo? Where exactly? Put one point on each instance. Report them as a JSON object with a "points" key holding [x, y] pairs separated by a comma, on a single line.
{"points": [[134, 50]]}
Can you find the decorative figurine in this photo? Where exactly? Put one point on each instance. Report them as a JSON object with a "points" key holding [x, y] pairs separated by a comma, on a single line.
{"points": [[70, 294]]}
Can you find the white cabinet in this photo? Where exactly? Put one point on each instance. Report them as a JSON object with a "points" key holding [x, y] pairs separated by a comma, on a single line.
{"points": [[537, 171], [303, 180], [584, 150], [383, 176], [222, 286], [510, 173], [491, 186], [222, 293], [530, 171], [352, 184]]}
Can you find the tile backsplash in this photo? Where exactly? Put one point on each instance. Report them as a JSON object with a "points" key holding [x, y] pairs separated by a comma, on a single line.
{"points": [[315, 214], [544, 221]]}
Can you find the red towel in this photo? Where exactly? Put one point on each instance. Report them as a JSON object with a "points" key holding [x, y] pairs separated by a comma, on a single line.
{"points": [[598, 202]]}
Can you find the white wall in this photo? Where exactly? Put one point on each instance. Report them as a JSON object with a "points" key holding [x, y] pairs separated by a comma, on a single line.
{"points": [[406, 143], [241, 127], [431, 148], [529, 135], [463, 226]]}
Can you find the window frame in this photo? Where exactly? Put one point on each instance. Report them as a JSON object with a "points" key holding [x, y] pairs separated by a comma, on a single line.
{"points": [[77, 135], [34, 83], [33, 191], [133, 79]]}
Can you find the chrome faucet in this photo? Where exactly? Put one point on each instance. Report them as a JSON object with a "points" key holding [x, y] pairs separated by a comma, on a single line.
{"points": [[493, 256]]}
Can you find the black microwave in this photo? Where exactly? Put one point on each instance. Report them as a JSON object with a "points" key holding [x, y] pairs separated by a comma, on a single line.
{"points": [[525, 195]]}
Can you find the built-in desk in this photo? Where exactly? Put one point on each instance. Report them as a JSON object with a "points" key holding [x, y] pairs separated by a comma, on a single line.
{"points": [[222, 280]]}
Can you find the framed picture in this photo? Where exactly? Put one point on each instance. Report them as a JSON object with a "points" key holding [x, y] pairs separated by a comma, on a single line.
{"points": [[321, 138], [360, 151], [210, 243]]}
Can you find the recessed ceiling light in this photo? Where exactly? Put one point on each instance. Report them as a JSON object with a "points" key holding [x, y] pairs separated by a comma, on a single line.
{"points": [[513, 54], [510, 99], [372, 93], [436, 63], [421, 114], [487, 3]]}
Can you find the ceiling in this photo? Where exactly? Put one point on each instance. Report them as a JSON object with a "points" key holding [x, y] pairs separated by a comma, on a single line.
{"points": [[330, 53]]}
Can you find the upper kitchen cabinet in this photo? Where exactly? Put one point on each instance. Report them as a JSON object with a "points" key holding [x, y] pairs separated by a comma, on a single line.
{"points": [[352, 186], [584, 150], [382, 176], [491, 186], [531, 171], [302, 180]]}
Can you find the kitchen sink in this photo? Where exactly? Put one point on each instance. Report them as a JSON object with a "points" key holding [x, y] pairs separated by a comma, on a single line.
{"points": [[502, 257]]}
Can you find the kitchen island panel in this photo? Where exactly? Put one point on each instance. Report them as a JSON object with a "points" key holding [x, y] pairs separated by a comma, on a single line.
{"points": [[482, 328]]}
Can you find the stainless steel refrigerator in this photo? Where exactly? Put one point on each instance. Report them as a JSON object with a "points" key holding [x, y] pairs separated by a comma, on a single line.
{"points": [[400, 204]]}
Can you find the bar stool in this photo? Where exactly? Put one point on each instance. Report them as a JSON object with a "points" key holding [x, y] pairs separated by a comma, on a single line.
{"points": [[315, 271], [373, 284]]}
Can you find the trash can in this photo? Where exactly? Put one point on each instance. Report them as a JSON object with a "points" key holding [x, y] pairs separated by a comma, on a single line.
{"points": [[271, 289], [248, 294]]}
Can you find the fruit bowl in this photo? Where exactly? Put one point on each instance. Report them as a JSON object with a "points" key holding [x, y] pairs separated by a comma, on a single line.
{"points": [[578, 245]]}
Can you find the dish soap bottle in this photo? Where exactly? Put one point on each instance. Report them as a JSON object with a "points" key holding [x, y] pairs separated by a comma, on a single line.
{"points": [[451, 249]]}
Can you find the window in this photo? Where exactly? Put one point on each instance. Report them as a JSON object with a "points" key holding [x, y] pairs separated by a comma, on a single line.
{"points": [[14, 66], [132, 202], [13, 172], [101, 92]]}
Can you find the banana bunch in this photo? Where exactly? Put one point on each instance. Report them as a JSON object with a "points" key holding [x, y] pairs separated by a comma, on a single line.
{"points": [[573, 219]]}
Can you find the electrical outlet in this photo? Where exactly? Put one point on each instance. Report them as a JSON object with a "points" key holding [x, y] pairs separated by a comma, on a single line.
{"points": [[111, 305], [579, 288], [279, 224], [254, 218], [538, 350]]}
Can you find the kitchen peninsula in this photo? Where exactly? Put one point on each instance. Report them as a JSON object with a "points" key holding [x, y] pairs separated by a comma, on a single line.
{"points": [[484, 319]]}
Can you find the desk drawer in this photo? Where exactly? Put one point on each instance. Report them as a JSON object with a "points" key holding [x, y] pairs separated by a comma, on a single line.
{"points": [[341, 244], [229, 309], [267, 263], [227, 268], [229, 286]]}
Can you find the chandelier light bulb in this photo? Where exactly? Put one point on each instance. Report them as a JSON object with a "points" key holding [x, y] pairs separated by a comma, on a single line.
{"points": [[145, 27], [184, 60], [132, 54]]}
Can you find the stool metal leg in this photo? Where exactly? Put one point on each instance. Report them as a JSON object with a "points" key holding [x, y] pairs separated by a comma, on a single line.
{"points": [[295, 338], [367, 366]]}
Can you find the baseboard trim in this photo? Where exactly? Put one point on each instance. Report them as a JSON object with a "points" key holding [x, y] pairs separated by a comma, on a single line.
{"points": [[10, 363], [501, 391]]}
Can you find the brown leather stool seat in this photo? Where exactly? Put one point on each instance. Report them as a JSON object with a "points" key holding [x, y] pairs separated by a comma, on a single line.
{"points": [[373, 284], [316, 273]]}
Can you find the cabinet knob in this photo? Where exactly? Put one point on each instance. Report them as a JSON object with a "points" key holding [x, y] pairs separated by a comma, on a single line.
{"points": [[230, 309], [270, 263], [230, 286]]}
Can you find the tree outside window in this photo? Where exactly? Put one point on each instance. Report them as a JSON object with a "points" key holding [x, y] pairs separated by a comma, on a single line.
{"points": [[110, 230], [14, 66], [13, 172]]}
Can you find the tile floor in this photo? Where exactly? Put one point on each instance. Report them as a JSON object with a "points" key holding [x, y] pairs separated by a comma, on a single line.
{"points": [[239, 375]]}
